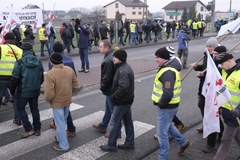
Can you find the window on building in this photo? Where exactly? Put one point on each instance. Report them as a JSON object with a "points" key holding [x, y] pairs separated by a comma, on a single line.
{"points": [[140, 8], [116, 5], [133, 7], [171, 17], [139, 13], [201, 8], [144, 13], [133, 13]]}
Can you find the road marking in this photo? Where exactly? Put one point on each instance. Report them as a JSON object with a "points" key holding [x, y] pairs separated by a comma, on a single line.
{"points": [[8, 126], [24, 146], [91, 150]]}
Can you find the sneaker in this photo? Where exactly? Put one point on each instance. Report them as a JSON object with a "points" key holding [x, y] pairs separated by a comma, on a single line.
{"points": [[107, 148], [184, 148], [155, 136], [71, 134], [126, 147], [86, 70], [58, 148], [82, 70], [37, 133], [199, 130], [97, 127], [106, 135], [27, 134], [52, 125], [180, 127], [208, 149], [17, 122]]}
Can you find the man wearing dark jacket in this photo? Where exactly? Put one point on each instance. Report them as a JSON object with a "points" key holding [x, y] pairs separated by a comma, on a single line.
{"points": [[122, 97], [166, 96], [107, 73], [27, 77]]}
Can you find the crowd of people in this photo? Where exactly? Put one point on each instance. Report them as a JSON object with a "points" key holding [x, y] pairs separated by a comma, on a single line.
{"points": [[21, 73]]}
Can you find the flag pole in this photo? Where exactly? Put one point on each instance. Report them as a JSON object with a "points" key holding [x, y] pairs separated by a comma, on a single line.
{"points": [[202, 58]]}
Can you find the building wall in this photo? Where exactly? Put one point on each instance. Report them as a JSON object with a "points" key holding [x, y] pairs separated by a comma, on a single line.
{"points": [[198, 10], [126, 11]]}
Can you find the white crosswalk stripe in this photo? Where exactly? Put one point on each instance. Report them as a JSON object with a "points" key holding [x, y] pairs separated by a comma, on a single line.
{"points": [[44, 114], [91, 150], [24, 146]]}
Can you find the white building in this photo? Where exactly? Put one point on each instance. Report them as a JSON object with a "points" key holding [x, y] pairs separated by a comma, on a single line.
{"points": [[130, 9], [174, 10]]}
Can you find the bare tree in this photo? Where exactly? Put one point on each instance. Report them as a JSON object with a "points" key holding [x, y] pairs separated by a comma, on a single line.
{"points": [[31, 6]]}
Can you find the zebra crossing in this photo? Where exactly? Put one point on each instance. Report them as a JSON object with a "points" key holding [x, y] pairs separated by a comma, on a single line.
{"points": [[20, 148]]}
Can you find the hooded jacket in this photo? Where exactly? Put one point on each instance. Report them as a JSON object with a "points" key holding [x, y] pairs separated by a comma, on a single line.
{"points": [[27, 76]]}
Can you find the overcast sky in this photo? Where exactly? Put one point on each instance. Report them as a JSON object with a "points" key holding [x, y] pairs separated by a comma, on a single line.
{"points": [[154, 5]]}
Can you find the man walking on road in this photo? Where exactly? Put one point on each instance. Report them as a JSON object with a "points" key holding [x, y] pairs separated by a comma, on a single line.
{"points": [[27, 77], [166, 95], [122, 97], [230, 110], [60, 83], [107, 73]]}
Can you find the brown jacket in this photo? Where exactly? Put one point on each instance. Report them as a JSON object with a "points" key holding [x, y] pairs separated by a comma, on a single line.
{"points": [[60, 83]]}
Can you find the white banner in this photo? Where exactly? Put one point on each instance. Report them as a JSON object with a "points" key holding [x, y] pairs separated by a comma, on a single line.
{"points": [[27, 16]]}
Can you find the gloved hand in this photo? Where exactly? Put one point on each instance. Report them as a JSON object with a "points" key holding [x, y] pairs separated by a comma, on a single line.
{"points": [[236, 112]]}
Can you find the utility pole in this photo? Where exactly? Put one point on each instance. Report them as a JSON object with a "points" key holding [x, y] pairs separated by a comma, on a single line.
{"points": [[230, 9], [213, 16]]}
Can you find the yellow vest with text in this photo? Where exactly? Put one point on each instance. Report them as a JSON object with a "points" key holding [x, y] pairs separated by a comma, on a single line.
{"points": [[232, 84], [41, 35], [194, 25], [8, 59], [132, 28], [158, 86]]}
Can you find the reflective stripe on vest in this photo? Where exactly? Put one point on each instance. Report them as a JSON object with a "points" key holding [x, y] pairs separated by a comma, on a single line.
{"points": [[41, 35], [158, 86], [8, 59], [232, 84]]}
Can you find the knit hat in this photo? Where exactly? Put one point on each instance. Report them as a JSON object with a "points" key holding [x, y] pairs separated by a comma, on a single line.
{"points": [[223, 57], [27, 46], [171, 50], [212, 41], [121, 55], [56, 58], [58, 47], [163, 53], [9, 36], [220, 49]]}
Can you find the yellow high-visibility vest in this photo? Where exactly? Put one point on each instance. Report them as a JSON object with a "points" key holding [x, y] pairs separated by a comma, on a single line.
{"points": [[132, 27], [8, 59], [232, 84], [158, 86], [194, 25], [41, 35]]}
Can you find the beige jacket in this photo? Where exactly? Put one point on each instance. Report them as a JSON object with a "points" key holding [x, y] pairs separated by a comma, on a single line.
{"points": [[60, 83]]}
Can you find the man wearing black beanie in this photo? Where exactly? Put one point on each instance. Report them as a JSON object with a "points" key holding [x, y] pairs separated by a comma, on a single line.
{"points": [[10, 53], [166, 96], [67, 61], [122, 97]]}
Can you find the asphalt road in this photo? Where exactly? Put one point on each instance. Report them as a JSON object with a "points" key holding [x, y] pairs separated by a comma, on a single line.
{"points": [[88, 108]]}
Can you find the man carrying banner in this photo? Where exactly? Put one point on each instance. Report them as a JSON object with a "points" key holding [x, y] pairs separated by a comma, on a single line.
{"points": [[231, 109]]}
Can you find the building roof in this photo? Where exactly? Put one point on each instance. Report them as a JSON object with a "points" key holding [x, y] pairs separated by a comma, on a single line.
{"points": [[181, 4], [130, 3]]}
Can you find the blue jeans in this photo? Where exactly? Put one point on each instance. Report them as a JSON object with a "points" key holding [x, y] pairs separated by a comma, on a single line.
{"points": [[4, 85], [50, 44], [166, 127], [83, 52], [133, 39], [33, 103], [108, 113], [60, 118], [121, 113], [44, 43]]}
